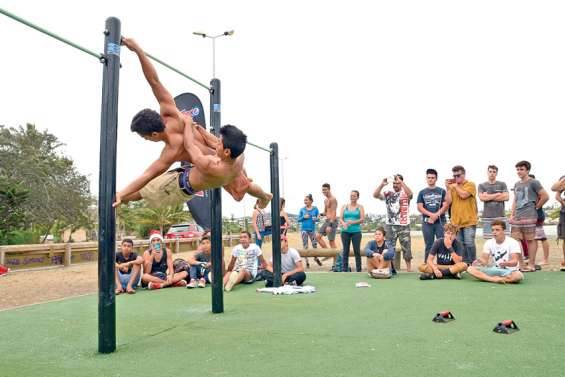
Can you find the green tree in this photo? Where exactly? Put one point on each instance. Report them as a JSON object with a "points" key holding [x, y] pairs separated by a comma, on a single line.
{"points": [[12, 213], [58, 193], [161, 217]]}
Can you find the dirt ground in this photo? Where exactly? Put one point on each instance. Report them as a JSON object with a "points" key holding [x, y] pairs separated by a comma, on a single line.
{"points": [[30, 287]]}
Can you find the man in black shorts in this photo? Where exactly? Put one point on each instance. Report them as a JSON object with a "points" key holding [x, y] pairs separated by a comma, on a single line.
{"points": [[329, 226]]}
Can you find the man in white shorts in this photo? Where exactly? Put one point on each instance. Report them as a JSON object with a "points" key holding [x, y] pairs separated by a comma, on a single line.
{"points": [[505, 253], [244, 262]]}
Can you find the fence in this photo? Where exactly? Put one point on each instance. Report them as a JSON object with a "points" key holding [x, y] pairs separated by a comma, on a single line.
{"points": [[20, 257]]}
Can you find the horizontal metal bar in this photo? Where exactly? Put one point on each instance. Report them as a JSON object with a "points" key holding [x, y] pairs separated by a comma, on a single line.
{"points": [[177, 71], [51, 34], [258, 147]]}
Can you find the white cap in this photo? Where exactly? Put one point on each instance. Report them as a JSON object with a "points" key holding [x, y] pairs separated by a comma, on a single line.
{"points": [[155, 235]]}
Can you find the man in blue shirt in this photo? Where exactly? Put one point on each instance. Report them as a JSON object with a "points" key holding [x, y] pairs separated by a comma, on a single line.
{"points": [[432, 205]]}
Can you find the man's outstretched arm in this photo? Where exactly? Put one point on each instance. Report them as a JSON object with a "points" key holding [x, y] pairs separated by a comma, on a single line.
{"points": [[166, 101]]}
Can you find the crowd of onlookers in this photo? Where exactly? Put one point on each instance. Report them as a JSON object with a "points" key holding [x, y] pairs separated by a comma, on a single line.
{"points": [[449, 221]]}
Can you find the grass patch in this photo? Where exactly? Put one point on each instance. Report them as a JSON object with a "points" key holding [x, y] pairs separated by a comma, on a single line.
{"points": [[338, 331]]}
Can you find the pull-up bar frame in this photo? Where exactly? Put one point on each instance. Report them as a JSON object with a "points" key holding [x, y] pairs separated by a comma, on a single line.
{"points": [[107, 182]]}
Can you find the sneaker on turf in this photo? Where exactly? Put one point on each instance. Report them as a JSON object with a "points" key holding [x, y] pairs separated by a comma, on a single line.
{"points": [[180, 283], [152, 285], [202, 283], [426, 276], [192, 284]]}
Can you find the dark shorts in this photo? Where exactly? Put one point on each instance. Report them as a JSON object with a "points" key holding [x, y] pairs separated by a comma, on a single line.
{"points": [[561, 226], [324, 229], [157, 274]]}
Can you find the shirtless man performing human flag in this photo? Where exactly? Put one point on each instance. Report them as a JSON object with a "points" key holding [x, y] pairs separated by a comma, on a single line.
{"points": [[217, 162]]}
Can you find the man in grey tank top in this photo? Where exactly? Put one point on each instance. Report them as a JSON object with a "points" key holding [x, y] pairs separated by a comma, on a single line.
{"points": [[493, 194]]}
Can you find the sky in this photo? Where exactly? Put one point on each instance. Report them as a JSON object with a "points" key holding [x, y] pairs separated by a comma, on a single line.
{"points": [[352, 91]]}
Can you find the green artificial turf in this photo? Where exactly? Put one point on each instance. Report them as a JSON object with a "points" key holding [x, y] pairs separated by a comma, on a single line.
{"points": [[385, 330]]}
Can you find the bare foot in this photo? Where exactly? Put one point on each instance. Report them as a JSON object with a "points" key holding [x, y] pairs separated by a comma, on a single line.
{"points": [[130, 290], [263, 202], [119, 291], [501, 280]]}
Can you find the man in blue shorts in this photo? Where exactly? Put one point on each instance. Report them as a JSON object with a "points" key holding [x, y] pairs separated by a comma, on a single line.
{"points": [[505, 253], [128, 267]]}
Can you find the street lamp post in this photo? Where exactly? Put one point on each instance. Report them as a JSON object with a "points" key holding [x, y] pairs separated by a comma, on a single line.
{"points": [[213, 38], [282, 173]]}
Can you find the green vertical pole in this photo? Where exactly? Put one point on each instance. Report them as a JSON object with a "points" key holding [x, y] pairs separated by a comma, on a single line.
{"points": [[276, 215], [107, 189], [216, 208]]}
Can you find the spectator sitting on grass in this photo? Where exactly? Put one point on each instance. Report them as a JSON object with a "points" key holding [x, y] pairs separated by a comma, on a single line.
{"points": [[291, 266], [244, 262], [448, 255], [505, 252], [128, 267], [380, 254], [200, 264], [158, 271]]}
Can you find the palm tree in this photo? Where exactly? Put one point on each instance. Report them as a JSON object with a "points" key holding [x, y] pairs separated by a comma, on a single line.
{"points": [[162, 217]]}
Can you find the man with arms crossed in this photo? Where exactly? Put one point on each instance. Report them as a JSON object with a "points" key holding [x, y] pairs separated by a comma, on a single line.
{"points": [[493, 194], [505, 252]]}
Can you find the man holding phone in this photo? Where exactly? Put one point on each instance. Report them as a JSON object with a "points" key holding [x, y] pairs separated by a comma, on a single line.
{"points": [[462, 195]]}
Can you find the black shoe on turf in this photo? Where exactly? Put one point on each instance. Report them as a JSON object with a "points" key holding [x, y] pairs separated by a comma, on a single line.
{"points": [[426, 276]]}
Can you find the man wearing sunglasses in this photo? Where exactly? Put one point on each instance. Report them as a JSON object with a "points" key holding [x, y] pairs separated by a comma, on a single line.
{"points": [[462, 194]]}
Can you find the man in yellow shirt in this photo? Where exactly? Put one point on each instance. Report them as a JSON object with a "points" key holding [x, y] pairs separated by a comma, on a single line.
{"points": [[463, 197]]}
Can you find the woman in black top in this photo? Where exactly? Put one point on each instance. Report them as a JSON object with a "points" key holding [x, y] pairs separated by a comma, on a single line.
{"points": [[285, 224]]}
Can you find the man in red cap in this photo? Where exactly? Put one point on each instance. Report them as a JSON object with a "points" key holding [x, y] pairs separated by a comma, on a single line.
{"points": [[158, 271]]}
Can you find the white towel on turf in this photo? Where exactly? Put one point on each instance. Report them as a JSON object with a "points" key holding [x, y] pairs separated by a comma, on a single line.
{"points": [[288, 290]]}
